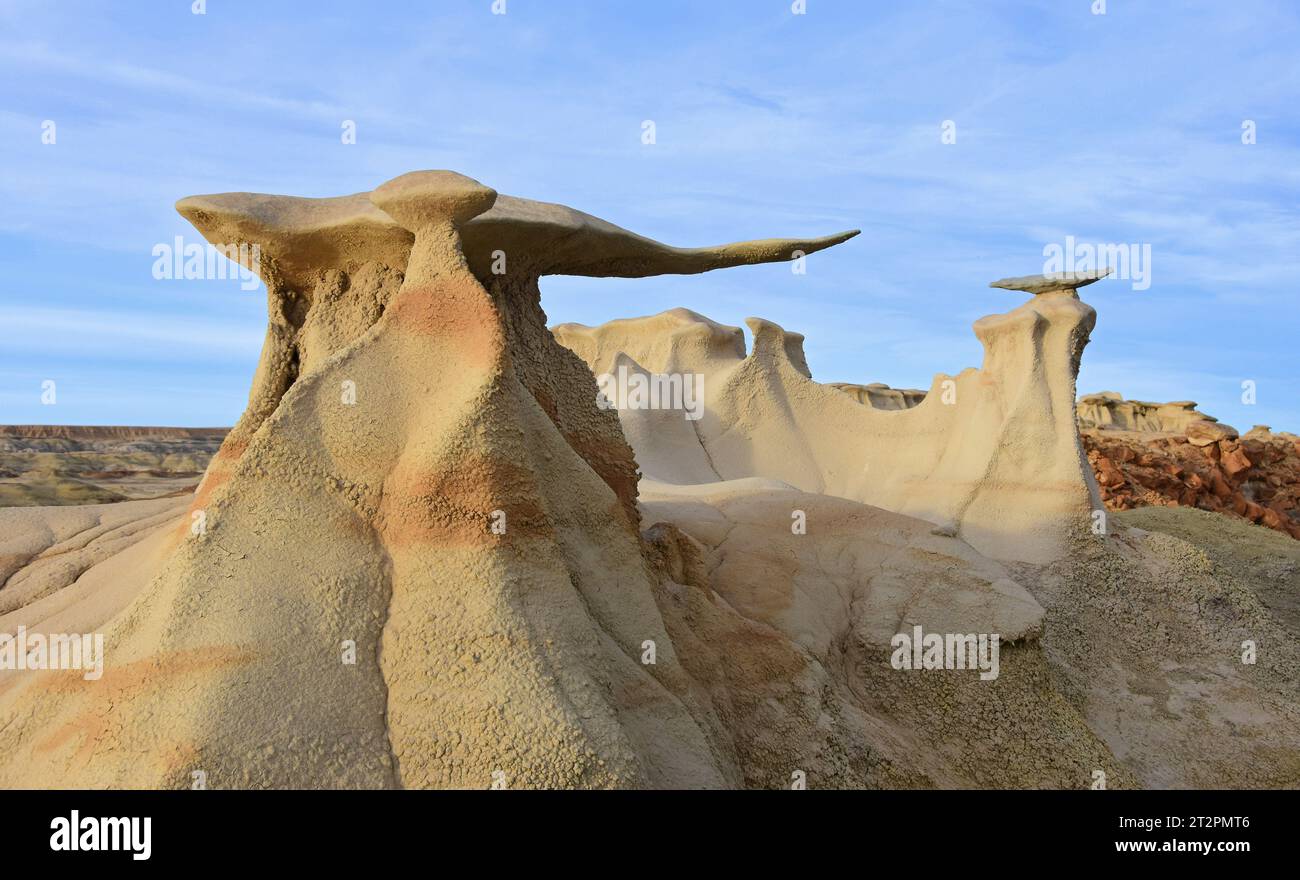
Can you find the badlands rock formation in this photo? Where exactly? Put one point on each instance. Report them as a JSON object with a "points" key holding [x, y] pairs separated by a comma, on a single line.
{"points": [[1168, 455], [991, 454], [1171, 455], [767, 443], [422, 475], [1109, 410], [425, 556], [880, 395]]}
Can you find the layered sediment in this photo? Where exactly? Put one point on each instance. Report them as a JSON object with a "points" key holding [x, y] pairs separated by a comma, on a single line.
{"points": [[69, 464]]}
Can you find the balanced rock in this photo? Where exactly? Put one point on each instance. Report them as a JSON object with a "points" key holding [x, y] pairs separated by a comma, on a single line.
{"points": [[1205, 433], [1051, 282]]}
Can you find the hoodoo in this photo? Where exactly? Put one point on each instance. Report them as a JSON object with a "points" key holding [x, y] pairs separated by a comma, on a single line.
{"points": [[408, 396], [431, 554], [991, 453]]}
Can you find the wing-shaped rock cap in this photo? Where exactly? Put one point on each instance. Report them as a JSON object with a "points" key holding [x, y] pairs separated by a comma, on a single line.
{"points": [[301, 235], [555, 240], [538, 238], [1052, 281]]}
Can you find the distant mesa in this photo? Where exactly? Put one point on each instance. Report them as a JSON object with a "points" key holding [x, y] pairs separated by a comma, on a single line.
{"points": [[43, 465], [90, 434]]}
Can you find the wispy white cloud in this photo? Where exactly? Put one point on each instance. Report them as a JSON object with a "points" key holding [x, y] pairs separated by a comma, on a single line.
{"points": [[123, 336]]}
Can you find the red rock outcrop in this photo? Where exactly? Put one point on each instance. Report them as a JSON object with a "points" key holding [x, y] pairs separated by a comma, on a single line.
{"points": [[1256, 476]]}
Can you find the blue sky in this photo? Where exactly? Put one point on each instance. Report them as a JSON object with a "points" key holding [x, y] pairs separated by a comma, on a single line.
{"points": [[1121, 128]]}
